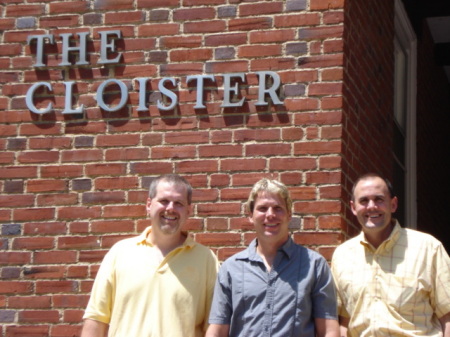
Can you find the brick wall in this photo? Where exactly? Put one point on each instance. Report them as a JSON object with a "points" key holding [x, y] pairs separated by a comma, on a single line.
{"points": [[368, 94], [72, 185], [433, 120]]}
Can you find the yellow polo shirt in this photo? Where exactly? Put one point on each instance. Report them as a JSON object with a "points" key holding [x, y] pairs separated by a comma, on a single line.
{"points": [[139, 297], [399, 289]]}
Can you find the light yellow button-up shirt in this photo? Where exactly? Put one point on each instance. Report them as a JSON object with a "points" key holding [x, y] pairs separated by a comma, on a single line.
{"points": [[400, 289], [138, 296]]}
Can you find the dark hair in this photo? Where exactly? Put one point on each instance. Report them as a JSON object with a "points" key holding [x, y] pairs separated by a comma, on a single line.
{"points": [[373, 175], [174, 179], [268, 185]]}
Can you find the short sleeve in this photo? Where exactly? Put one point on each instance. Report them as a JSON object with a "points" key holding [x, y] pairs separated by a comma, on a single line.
{"points": [[324, 292], [221, 308]]}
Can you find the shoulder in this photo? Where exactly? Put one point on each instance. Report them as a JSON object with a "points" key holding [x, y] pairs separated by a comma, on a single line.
{"points": [[203, 251], [350, 247], [415, 238]]}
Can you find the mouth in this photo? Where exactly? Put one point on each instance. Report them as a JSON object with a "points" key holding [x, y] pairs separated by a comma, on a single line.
{"points": [[169, 217], [270, 225]]}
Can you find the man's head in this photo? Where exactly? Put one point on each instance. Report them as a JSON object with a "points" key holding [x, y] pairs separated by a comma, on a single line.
{"points": [[373, 203], [169, 203], [269, 207]]}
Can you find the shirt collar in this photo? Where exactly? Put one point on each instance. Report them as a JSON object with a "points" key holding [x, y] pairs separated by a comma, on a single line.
{"points": [[288, 248], [142, 238], [386, 244]]}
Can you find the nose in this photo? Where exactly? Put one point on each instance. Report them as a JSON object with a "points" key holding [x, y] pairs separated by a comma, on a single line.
{"points": [[169, 206], [270, 212], [371, 204]]}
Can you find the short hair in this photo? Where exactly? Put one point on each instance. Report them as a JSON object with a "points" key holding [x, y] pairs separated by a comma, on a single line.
{"points": [[174, 179], [373, 175], [272, 186]]}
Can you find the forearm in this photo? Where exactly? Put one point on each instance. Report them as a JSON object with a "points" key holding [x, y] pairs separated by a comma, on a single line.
{"points": [[92, 328], [445, 323], [218, 330]]}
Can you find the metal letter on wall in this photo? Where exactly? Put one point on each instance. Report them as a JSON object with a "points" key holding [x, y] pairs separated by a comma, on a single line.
{"points": [[123, 95], [262, 90], [29, 98]]}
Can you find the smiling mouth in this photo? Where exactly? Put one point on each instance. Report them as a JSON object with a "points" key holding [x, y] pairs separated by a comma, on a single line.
{"points": [[168, 217], [271, 224]]}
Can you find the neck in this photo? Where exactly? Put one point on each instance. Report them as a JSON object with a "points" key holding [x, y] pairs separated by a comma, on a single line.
{"points": [[268, 251], [378, 238], [166, 243]]}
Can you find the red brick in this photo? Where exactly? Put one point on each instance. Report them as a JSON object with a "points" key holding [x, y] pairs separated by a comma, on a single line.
{"points": [[14, 172], [272, 36], [38, 130], [259, 51], [57, 199], [113, 226], [46, 185], [322, 89], [73, 213], [247, 24], [211, 26], [317, 147], [190, 55], [153, 168], [124, 17], [302, 193], [318, 238], [190, 14], [180, 42], [39, 316], [55, 257], [218, 239], [104, 197], [68, 7], [81, 155], [24, 10], [61, 330], [120, 183], [216, 224], [197, 166], [76, 272], [160, 29], [126, 154], [271, 7], [28, 302], [186, 137], [105, 169], [14, 258], [173, 152], [333, 162], [33, 243], [218, 209], [47, 228], [157, 3], [14, 287], [73, 316], [79, 242], [29, 331], [297, 20], [61, 171], [16, 200], [326, 4], [45, 272], [114, 5], [243, 164], [124, 211], [240, 194], [37, 214], [318, 207], [226, 39], [267, 149]]}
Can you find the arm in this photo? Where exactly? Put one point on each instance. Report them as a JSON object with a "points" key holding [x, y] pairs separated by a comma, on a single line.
{"points": [[343, 325], [445, 322], [217, 330], [326, 327], [92, 328]]}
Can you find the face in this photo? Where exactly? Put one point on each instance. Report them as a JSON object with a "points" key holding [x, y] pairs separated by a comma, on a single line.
{"points": [[271, 218], [373, 207], [169, 209]]}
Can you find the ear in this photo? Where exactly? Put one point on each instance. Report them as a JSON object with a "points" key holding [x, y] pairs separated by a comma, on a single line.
{"points": [[352, 205], [147, 205], [394, 204]]}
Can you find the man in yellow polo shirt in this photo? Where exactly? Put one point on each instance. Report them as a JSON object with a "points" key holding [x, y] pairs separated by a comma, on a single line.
{"points": [[391, 281], [160, 283]]}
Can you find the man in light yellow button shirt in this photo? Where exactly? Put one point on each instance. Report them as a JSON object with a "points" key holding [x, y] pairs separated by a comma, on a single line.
{"points": [[391, 281], [159, 284]]}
